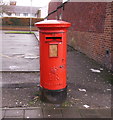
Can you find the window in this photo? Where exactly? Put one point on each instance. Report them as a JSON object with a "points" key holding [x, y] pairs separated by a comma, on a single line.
{"points": [[33, 15], [17, 14], [1, 14], [9, 14], [25, 14], [39, 13]]}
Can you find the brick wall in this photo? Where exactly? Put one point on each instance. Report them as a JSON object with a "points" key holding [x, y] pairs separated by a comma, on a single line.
{"points": [[112, 35], [52, 6], [90, 32], [107, 41]]}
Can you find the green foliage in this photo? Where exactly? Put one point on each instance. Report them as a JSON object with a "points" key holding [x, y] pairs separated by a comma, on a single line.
{"points": [[19, 32], [14, 21]]}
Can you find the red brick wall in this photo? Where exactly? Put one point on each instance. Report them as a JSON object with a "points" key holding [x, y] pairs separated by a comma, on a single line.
{"points": [[85, 17], [53, 6], [107, 41], [90, 32], [112, 35]]}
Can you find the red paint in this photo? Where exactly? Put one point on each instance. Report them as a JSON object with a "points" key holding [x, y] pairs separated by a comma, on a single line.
{"points": [[53, 69]]}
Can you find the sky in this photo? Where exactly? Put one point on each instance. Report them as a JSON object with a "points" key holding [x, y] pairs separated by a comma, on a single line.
{"points": [[37, 3], [41, 3]]}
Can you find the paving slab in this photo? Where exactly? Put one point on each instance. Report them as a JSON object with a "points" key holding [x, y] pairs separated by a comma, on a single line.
{"points": [[14, 114], [20, 78], [20, 52], [52, 113], [3, 114], [19, 97], [35, 113], [89, 113], [104, 113], [71, 113]]}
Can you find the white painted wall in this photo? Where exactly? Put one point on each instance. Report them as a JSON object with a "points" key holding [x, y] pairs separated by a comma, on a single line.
{"points": [[21, 15], [44, 11]]}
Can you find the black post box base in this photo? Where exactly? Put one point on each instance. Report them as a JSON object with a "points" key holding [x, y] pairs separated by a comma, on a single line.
{"points": [[53, 96]]}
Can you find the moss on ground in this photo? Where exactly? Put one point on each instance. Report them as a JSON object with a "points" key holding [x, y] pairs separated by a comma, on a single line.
{"points": [[19, 32]]}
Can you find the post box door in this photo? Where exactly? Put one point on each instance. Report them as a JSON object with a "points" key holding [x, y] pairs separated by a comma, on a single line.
{"points": [[53, 60]]}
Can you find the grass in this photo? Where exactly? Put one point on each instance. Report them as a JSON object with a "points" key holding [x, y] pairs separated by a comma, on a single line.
{"points": [[19, 32]]}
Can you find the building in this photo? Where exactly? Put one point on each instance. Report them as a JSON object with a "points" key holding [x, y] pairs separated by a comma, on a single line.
{"points": [[91, 28], [24, 11]]}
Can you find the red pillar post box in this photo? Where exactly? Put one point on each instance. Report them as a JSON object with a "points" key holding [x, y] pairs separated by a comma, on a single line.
{"points": [[53, 49]]}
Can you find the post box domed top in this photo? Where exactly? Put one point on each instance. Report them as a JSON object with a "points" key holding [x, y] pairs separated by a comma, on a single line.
{"points": [[52, 23]]}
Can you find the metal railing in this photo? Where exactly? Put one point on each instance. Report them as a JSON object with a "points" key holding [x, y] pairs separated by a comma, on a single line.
{"points": [[61, 6]]}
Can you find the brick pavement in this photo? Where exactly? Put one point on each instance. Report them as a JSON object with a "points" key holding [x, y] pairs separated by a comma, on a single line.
{"points": [[37, 112]]}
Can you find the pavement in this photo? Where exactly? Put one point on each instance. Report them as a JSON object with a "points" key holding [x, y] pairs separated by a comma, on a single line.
{"points": [[20, 52], [89, 84]]}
